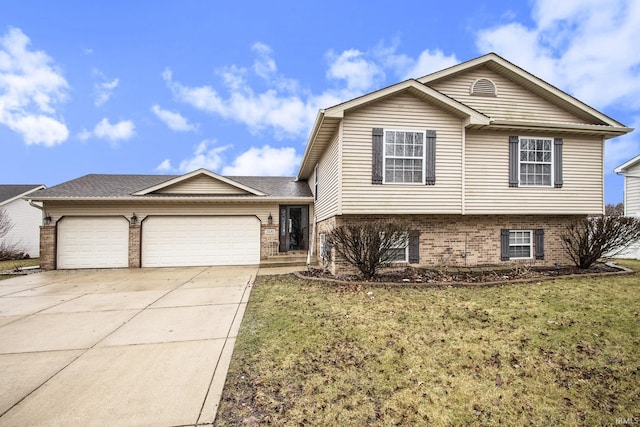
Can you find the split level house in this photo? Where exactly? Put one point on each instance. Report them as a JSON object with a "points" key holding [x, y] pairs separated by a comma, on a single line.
{"points": [[485, 161]]}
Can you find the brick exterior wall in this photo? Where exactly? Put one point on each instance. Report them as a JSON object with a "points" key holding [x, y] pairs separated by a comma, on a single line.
{"points": [[48, 247], [457, 240], [269, 240], [135, 233]]}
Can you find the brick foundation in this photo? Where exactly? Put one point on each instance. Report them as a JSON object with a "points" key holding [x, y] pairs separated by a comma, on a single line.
{"points": [[48, 247], [457, 240]]}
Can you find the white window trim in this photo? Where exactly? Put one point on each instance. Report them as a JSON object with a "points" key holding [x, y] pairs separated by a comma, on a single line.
{"points": [[530, 243], [405, 246], [552, 164], [384, 156]]}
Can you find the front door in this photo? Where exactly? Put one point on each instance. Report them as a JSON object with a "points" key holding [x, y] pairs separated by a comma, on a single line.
{"points": [[294, 228]]}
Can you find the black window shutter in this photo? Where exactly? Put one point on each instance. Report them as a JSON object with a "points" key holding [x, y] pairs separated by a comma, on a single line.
{"points": [[504, 244], [414, 247], [557, 162], [514, 141], [539, 243], [376, 175], [430, 159]]}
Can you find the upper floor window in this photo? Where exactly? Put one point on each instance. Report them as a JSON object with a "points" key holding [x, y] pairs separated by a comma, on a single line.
{"points": [[536, 161], [404, 156]]}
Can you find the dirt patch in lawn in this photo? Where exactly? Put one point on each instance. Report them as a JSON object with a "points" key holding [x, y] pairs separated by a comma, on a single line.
{"points": [[485, 275]]}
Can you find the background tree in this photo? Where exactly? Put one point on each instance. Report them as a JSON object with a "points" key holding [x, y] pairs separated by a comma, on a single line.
{"points": [[369, 245], [614, 210], [589, 239]]}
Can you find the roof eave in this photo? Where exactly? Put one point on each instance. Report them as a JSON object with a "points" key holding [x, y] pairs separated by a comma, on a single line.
{"points": [[154, 199], [606, 131]]}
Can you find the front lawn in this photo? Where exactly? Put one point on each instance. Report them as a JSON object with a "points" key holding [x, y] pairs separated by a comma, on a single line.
{"points": [[562, 352], [15, 264]]}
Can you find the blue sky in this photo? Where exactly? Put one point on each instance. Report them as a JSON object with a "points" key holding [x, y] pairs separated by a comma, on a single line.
{"points": [[148, 87]]}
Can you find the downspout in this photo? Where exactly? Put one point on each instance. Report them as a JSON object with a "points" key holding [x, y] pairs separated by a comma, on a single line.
{"points": [[44, 214], [313, 241]]}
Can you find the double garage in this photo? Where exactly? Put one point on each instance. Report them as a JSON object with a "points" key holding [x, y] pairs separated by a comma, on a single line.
{"points": [[165, 241]]}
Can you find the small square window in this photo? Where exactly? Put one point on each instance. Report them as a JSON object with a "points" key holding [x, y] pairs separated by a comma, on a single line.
{"points": [[520, 244]]}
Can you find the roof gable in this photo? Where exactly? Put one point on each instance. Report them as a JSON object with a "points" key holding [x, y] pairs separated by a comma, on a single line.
{"points": [[627, 165], [200, 181], [9, 193], [526, 80]]}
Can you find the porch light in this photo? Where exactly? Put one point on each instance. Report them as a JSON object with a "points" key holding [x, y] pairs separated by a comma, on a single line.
{"points": [[270, 218], [134, 219], [46, 220]]}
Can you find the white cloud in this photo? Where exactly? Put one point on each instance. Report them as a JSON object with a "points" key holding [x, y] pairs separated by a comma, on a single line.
{"points": [[264, 65], [283, 108], [122, 130], [358, 72], [206, 156], [165, 166], [103, 89], [265, 161], [174, 120], [406, 67], [256, 161], [30, 88], [588, 48]]}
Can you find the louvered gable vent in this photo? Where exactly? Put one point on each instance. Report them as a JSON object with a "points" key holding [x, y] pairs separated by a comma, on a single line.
{"points": [[483, 87]]}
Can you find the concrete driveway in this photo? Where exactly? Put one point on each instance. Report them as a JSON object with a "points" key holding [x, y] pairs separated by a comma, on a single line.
{"points": [[118, 347]]}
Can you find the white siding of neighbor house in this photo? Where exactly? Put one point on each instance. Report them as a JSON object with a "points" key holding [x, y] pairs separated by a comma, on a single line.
{"points": [[632, 191], [261, 210], [329, 182], [487, 173], [202, 184], [25, 233], [402, 111], [513, 102]]}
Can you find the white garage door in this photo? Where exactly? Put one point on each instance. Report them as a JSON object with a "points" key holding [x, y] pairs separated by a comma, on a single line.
{"points": [[86, 242], [200, 240]]}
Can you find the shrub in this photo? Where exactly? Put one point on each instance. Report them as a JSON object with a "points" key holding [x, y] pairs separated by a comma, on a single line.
{"points": [[369, 245], [590, 239]]}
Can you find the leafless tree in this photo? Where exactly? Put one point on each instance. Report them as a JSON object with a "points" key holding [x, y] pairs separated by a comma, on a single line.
{"points": [[369, 245], [589, 239], [5, 223], [614, 210]]}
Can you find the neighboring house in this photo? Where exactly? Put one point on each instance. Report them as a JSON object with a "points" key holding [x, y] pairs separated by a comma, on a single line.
{"points": [[487, 162], [24, 234], [631, 172]]}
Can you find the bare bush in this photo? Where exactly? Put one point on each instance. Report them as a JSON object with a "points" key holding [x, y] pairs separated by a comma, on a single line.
{"points": [[589, 239], [369, 245], [5, 223]]}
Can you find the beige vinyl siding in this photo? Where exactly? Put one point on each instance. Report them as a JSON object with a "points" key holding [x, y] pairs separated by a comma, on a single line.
{"points": [[403, 112], [632, 191], [513, 102], [202, 184], [329, 172], [260, 210], [487, 178]]}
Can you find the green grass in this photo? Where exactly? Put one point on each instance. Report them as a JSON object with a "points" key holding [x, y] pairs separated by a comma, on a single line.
{"points": [[563, 352], [13, 264]]}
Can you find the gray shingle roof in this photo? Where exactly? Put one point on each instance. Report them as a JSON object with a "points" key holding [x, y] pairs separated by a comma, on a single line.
{"points": [[123, 186], [10, 191]]}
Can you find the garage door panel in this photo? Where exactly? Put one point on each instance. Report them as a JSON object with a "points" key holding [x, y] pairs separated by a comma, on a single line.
{"points": [[93, 242], [198, 241]]}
